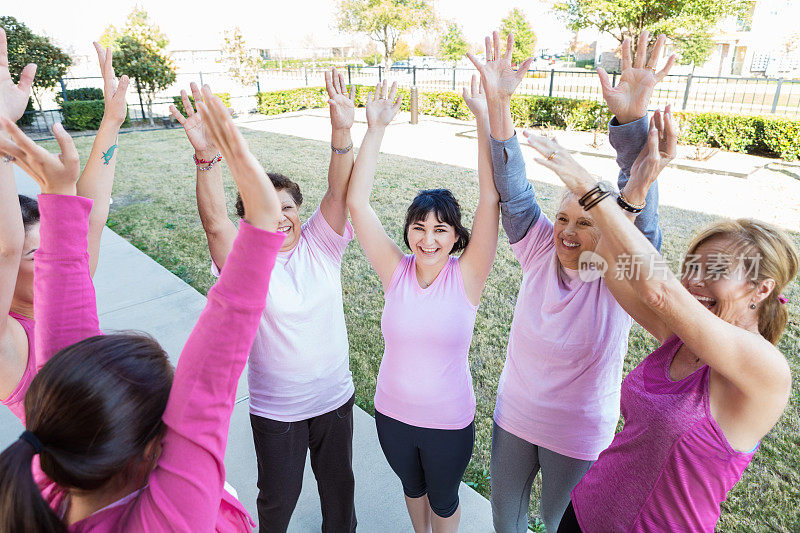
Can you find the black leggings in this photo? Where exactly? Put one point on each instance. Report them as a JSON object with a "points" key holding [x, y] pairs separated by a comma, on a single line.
{"points": [[427, 461], [569, 522]]}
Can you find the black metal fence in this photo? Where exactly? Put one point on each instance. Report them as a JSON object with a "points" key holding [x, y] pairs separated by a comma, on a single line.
{"points": [[748, 96]]}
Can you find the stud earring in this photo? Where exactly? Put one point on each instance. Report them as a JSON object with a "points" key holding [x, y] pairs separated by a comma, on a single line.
{"points": [[752, 305]]}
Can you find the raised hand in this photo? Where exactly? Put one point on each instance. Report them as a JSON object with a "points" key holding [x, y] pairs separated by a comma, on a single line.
{"points": [[13, 97], [116, 106], [261, 205], [559, 160], [55, 173], [476, 99], [661, 148], [196, 130], [382, 108], [342, 106], [499, 79], [629, 99]]}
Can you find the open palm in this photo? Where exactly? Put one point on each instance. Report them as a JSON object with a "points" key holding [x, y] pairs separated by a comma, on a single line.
{"points": [[13, 97], [476, 99], [382, 108], [660, 149], [497, 75], [342, 106], [628, 101], [114, 92], [192, 123]]}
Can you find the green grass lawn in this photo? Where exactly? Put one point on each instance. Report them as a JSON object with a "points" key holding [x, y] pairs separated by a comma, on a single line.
{"points": [[154, 208]]}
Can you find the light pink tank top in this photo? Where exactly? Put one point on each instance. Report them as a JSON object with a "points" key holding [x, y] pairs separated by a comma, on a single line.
{"points": [[424, 379], [670, 467]]}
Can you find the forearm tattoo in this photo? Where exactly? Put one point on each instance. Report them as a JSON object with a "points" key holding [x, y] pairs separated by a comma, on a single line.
{"points": [[108, 154]]}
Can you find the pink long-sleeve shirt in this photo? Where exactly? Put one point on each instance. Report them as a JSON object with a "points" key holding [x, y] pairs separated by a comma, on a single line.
{"points": [[185, 491]]}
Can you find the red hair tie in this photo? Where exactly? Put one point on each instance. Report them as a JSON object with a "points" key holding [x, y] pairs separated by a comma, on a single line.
{"points": [[783, 299]]}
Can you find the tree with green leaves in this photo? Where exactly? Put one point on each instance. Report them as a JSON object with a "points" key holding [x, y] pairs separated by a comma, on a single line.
{"points": [[453, 46], [139, 53], [628, 18], [524, 38], [695, 48], [385, 21], [242, 64], [402, 51], [26, 47]]}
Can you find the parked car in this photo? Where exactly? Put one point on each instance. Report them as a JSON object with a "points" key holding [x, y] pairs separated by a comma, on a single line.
{"points": [[400, 65]]}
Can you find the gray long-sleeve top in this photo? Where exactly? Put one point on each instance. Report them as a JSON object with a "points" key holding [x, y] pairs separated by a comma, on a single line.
{"points": [[518, 199]]}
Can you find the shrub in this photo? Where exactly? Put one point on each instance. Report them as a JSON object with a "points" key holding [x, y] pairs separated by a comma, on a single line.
{"points": [[30, 113], [84, 114], [225, 97], [81, 94], [277, 102]]}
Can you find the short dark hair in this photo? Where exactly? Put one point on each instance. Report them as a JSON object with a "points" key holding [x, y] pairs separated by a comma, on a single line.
{"points": [[30, 211], [280, 182], [446, 209]]}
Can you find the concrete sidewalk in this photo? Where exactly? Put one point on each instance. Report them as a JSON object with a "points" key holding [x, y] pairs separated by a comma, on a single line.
{"points": [[136, 293]]}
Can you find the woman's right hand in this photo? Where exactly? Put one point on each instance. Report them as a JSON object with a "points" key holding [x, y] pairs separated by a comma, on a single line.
{"points": [[475, 99], [660, 149], [114, 92], [499, 78], [196, 130], [13, 97], [55, 173], [381, 110], [261, 205]]}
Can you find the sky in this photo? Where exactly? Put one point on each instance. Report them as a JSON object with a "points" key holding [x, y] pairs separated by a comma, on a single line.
{"points": [[199, 24]]}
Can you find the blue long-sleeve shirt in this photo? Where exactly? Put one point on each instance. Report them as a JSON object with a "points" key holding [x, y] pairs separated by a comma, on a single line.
{"points": [[518, 199]]}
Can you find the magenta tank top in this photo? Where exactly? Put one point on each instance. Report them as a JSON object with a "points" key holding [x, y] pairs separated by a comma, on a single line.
{"points": [[424, 379], [16, 400], [671, 467]]}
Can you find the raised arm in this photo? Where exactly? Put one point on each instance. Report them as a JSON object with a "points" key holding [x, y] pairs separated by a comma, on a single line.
{"points": [[628, 101], [13, 100], [499, 81], [66, 311], [382, 252], [342, 109], [476, 261], [757, 371], [220, 230], [203, 392], [97, 178]]}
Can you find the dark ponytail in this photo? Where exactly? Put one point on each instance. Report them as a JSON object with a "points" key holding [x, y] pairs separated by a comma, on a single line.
{"points": [[22, 507], [95, 407]]}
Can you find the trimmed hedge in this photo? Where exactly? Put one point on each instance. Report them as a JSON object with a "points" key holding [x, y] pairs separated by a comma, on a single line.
{"points": [[582, 115], [225, 97], [84, 114], [30, 112], [83, 93], [768, 136]]}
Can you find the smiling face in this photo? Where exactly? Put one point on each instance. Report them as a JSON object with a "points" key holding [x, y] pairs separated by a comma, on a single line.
{"points": [[289, 223], [574, 232], [431, 240], [722, 284], [23, 291]]}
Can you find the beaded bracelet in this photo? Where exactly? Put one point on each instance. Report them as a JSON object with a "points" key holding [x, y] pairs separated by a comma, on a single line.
{"points": [[629, 207], [217, 158]]}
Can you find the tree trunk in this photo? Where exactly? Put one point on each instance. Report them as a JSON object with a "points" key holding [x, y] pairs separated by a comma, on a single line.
{"points": [[39, 103], [150, 108], [141, 104]]}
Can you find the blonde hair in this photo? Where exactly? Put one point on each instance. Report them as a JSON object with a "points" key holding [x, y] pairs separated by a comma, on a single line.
{"points": [[775, 254]]}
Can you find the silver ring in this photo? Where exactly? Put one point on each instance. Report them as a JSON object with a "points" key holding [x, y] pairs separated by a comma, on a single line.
{"points": [[8, 158]]}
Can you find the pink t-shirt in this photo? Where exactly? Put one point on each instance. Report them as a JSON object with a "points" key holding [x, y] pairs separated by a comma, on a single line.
{"points": [[299, 365], [671, 467], [16, 400], [560, 385], [424, 379]]}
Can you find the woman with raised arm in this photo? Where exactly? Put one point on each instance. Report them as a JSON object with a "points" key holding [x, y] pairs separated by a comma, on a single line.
{"points": [[124, 446], [558, 396], [696, 408], [301, 389], [19, 227], [424, 402]]}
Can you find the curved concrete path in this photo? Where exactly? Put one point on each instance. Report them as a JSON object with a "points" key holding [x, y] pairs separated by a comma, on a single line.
{"points": [[136, 293]]}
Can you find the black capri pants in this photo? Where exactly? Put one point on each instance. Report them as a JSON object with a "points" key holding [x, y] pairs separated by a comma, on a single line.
{"points": [[427, 461]]}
